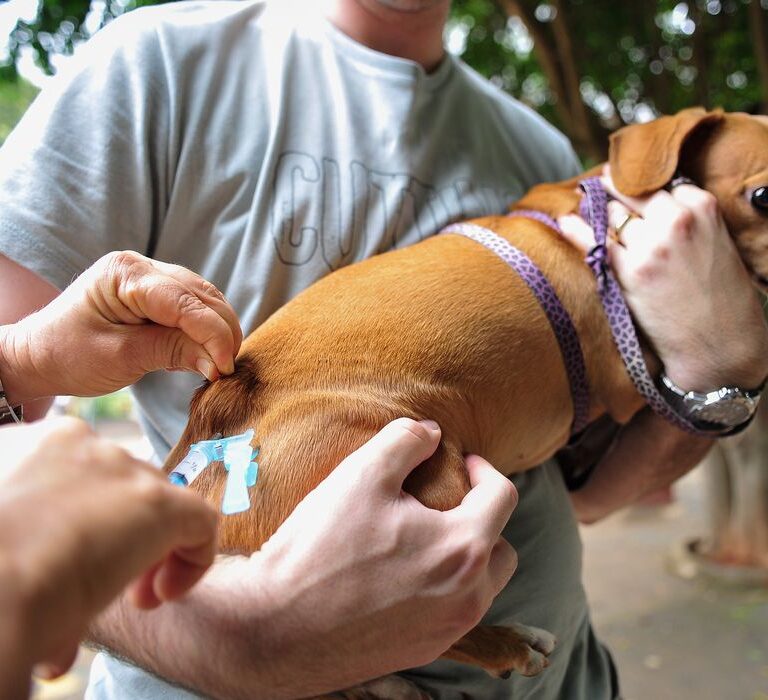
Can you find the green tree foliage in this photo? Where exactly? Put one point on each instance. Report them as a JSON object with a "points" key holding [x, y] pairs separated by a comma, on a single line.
{"points": [[596, 65], [15, 96], [60, 25]]}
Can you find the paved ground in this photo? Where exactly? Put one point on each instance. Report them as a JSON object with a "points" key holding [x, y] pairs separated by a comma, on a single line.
{"points": [[673, 638]]}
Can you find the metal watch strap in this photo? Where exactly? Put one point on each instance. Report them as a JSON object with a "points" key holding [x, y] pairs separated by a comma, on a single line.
{"points": [[8, 413], [694, 406]]}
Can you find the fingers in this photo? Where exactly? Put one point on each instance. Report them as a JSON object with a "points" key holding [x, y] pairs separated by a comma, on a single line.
{"points": [[172, 349], [485, 512], [392, 454], [168, 302], [141, 591], [675, 212], [136, 289], [577, 232], [193, 545], [492, 495], [209, 294], [179, 572], [169, 543]]}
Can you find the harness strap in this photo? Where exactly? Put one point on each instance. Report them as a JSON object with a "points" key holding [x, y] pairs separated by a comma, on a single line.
{"points": [[558, 317], [539, 216]]}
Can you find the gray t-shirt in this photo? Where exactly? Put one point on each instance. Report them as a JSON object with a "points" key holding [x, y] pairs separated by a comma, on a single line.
{"points": [[261, 147]]}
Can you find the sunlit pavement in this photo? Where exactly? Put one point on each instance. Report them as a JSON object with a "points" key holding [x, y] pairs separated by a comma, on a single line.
{"points": [[673, 639]]}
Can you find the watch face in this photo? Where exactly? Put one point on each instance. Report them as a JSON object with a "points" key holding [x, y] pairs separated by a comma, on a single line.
{"points": [[729, 411]]}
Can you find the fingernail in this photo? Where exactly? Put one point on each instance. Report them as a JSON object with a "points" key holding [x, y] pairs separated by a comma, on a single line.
{"points": [[427, 423], [45, 672], [206, 368]]}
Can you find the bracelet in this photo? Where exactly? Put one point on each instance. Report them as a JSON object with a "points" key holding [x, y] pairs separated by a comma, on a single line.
{"points": [[8, 413]]}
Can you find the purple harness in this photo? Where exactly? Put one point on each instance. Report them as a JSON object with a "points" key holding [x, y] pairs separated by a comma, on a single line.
{"points": [[594, 210]]}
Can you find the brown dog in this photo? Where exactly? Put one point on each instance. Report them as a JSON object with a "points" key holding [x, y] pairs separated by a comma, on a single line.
{"points": [[445, 330]]}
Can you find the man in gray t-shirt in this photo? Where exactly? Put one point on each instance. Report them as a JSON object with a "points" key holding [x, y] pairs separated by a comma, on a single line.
{"points": [[264, 146]]}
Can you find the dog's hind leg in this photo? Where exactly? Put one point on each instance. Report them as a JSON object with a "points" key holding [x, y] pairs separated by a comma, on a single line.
{"points": [[504, 650], [442, 482]]}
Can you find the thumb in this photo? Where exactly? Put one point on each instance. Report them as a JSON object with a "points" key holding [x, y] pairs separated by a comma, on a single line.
{"points": [[160, 347], [393, 453]]}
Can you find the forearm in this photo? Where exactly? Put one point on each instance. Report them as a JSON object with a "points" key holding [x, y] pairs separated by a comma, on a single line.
{"points": [[223, 641], [20, 382], [633, 468], [199, 642]]}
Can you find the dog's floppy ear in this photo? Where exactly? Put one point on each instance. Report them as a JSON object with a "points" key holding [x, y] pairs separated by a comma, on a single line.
{"points": [[644, 157]]}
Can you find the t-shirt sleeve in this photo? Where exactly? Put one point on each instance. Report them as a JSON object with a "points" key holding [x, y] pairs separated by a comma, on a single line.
{"points": [[86, 170]]}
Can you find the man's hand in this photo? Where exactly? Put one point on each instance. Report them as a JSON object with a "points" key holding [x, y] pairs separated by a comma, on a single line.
{"points": [[79, 520], [363, 567], [123, 317], [691, 294], [686, 286], [361, 580]]}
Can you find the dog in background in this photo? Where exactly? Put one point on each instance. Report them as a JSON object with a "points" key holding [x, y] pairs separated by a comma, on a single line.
{"points": [[445, 330]]}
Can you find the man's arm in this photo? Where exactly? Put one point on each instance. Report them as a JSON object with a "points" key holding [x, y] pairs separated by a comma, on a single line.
{"points": [[360, 581], [648, 455], [22, 292]]}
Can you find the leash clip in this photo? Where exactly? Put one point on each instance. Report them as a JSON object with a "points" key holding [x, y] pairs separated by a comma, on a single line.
{"points": [[597, 259]]}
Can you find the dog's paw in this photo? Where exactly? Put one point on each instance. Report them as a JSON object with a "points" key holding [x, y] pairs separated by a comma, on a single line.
{"points": [[533, 650], [502, 651]]}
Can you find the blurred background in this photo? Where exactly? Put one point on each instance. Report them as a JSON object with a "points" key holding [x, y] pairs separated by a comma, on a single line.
{"points": [[679, 583]]}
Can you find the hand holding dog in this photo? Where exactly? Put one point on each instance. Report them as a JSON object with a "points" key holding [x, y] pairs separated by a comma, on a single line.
{"points": [[399, 582], [79, 520], [390, 583], [359, 581], [686, 286], [124, 316]]}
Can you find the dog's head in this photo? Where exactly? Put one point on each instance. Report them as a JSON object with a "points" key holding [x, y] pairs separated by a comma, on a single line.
{"points": [[724, 153]]}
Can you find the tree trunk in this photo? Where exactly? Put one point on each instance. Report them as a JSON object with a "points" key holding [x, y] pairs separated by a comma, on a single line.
{"points": [[700, 57], [557, 60], [545, 55]]}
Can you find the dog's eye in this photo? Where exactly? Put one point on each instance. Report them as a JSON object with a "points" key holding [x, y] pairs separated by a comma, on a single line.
{"points": [[759, 199]]}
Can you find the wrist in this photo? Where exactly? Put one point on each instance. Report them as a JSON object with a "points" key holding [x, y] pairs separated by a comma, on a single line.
{"points": [[21, 380], [697, 374]]}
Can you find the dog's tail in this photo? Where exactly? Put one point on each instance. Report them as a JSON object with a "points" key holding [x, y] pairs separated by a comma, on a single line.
{"points": [[225, 407]]}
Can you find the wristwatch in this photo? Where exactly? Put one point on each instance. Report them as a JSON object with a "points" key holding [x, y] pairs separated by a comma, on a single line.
{"points": [[724, 411], [8, 413]]}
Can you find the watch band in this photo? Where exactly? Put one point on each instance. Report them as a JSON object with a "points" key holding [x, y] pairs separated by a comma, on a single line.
{"points": [[722, 412], [8, 413]]}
